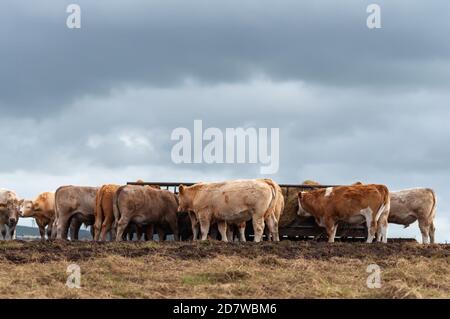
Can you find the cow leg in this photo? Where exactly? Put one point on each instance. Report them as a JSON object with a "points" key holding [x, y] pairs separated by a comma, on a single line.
{"points": [[101, 235], [41, 227], [107, 226], [382, 231], [42, 231], [176, 233], [75, 226], [112, 234], [49, 230], [130, 234], [331, 228], [113, 231], [98, 225], [230, 232], [204, 227], [161, 233], [222, 226], [12, 232], [371, 226], [149, 232], [272, 225], [139, 232], [267, 233], [258, 228], [63, 226], [432, 230], [3, 231], [424, 229], [194, 225], [173, 223], [242, 232], [121, 225], [54, 229]]}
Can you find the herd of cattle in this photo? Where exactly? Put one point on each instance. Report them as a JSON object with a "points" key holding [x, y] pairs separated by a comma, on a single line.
{"points": [[118, 212]]}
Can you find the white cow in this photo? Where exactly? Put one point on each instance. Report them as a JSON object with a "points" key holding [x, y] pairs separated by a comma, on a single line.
{"points": [[410, 205], [9, 212]]}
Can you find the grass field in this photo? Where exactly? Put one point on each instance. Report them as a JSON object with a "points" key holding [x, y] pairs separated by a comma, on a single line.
{"points": [[217, 270]]}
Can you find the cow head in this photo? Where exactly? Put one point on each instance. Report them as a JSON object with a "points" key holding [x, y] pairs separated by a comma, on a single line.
{"points": [[13, 208], [301, 211], [27, 208], [184, 200]]}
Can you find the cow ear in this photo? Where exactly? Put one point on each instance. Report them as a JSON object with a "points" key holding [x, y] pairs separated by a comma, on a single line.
{"points": [[181, 188], [21, 201]]}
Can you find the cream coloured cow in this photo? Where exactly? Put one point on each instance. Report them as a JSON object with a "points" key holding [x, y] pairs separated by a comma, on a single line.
{"points": [[351, 204], [9, 212], [410, 205], [230, 202]]}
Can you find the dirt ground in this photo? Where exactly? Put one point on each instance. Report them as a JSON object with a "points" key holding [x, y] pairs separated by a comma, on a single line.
{"points": [[289, 269]]}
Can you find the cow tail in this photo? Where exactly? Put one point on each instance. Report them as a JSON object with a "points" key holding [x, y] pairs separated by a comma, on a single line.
{"points": [[98, 212], [116, 209], [383, 211], [273, 201], [282, 202], [57, 210], [433, 208]]}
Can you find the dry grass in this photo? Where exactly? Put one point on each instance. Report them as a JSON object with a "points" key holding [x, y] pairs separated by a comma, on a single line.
{"points": [[217, 270]]}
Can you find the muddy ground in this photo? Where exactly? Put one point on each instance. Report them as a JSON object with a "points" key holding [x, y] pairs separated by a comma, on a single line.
{"points": [[22, 252]]}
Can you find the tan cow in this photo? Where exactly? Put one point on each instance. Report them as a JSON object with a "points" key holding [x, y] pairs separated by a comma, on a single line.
{"points": [[145, 206], [42, 209], [232, 202], [410, 205], [351, 204], [273, 218], [74, 205], [104, 215]]}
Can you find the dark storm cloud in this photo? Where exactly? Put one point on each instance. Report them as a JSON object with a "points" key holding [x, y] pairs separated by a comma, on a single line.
{"points": [[44, 65]]}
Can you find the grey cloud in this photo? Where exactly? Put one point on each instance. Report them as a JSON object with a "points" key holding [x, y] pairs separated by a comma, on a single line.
{"points": [[160, 43], [98, 105]]}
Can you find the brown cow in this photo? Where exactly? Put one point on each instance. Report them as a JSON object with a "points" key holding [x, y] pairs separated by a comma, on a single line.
{"points": [[410, 205], [145, 206], [232, 202], [352, 204], [74, 205], [42, 209], [104, 215]]}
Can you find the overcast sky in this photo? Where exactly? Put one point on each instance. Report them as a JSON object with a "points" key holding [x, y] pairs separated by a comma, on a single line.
{"points": [[98, 104]]}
